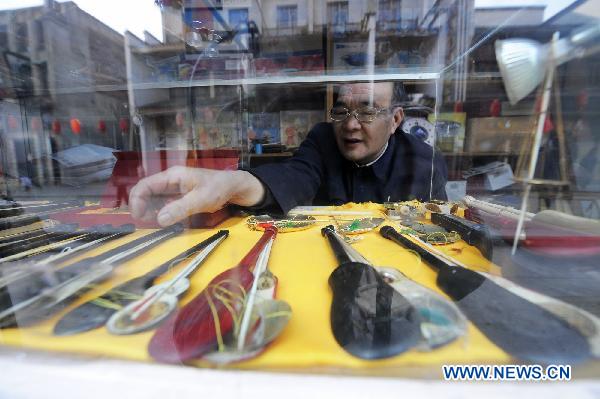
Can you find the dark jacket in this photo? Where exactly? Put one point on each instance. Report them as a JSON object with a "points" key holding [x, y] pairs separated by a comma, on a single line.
{"points": [[319, 174]]}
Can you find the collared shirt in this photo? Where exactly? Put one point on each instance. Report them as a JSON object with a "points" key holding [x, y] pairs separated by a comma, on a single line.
{"points": [[319, 174]]}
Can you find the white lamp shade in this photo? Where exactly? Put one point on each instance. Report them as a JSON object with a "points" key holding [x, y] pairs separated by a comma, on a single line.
{"points": [[522, 64]]}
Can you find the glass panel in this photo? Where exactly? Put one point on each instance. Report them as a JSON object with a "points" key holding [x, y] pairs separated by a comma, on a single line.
{"points": [[432, 168]]}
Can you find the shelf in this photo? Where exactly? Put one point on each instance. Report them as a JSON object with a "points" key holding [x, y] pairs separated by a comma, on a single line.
{"points": [[473, 76], [479, 154], [407, 75], [272, 155], [446, 154]]}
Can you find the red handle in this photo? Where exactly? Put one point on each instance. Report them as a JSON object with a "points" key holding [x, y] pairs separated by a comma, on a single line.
{"points": [[194, 330], [252, 256]]}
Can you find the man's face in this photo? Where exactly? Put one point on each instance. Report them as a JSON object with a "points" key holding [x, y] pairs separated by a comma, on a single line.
{"points": [[362, 142]]}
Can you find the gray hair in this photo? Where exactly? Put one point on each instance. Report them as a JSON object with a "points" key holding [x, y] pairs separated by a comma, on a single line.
{"points": [[399, 96]]}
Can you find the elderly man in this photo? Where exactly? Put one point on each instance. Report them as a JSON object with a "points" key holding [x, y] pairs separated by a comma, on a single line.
{"points": [[360, 156]]}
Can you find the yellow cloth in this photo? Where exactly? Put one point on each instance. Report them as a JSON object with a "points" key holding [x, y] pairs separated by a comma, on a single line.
{"points": [[302, 261]]}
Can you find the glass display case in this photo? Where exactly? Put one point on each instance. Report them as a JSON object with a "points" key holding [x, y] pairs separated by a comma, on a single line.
{"points": [[379, 188]]}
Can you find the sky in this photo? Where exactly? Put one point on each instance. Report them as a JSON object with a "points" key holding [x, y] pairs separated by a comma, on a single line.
{"points": [[139, 15], [552, 6], [121, 15]]}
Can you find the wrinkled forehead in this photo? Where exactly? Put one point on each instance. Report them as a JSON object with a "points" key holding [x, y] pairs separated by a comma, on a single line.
{"points": [[362, 93]]}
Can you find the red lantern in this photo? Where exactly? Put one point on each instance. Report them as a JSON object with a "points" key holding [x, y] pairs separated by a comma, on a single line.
{"points": [[75, 126], [179, 119], [124, 125], [582, 100], [458, 106], [56, 128], [13, 123], [548, 124], [36, 124], [102, 126], [495, 108]]}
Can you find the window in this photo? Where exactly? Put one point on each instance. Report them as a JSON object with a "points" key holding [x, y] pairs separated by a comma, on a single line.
{"points": [[21, 38], [238, 16], [20, 69], [390, 14], [204, 16], [411, 15], [337, 15], [287, 16], [42, 76], [39, 35], [3, 36]]}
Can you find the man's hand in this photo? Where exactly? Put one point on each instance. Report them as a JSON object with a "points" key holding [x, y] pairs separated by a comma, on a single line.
{"points": [[179, 192]]}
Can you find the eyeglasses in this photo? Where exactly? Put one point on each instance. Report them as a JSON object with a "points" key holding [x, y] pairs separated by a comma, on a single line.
{"points": [[364, 114]]}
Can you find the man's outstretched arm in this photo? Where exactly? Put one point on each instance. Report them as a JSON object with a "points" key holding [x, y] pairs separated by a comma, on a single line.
{"points": [[173, 195]]}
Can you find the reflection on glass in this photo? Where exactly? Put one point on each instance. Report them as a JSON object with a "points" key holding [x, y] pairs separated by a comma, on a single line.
{"points": [[95, 97]]}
